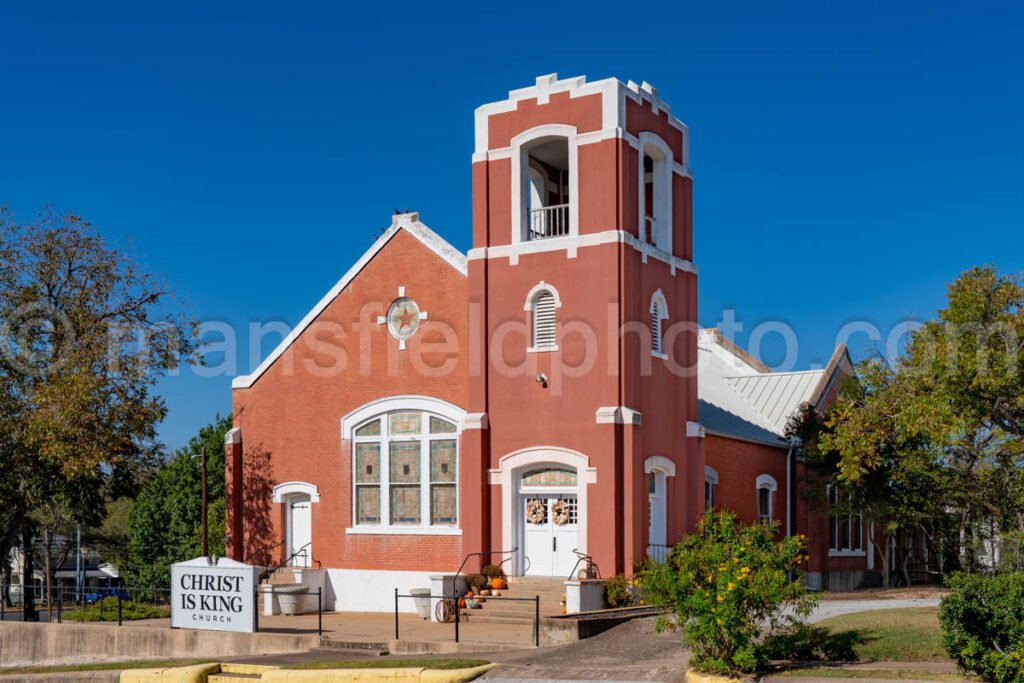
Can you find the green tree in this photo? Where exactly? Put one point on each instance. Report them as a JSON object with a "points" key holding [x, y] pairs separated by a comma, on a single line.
{"points": [[84, 337], [939, 432], [165, 519]]}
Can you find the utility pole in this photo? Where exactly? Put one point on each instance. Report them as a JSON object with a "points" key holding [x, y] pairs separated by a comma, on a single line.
{"points": [[204, 544]]}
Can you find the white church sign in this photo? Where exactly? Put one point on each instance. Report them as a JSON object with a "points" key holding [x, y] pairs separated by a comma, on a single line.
{"points": [[216, 595]]}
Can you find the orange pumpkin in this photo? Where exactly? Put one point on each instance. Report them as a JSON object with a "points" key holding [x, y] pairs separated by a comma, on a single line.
{"points": [[498, 584], [462, 603]]}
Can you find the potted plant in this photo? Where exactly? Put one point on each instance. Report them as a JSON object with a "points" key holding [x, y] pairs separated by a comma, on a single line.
{"points": [[477, 582], [496, 576]]}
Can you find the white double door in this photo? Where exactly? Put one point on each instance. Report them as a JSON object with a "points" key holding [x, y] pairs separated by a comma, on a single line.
{"points": [[549, 533]]}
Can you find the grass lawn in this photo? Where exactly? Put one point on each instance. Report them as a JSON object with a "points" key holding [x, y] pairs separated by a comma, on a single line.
{"points": [[104, 666], [388, 663], [890, 635]]}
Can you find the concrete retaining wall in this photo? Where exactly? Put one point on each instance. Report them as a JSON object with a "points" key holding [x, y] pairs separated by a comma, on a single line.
{"points": [[45, 644]]}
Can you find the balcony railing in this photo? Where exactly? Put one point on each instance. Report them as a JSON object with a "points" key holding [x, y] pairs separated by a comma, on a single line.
{"points": [[549, 221]]}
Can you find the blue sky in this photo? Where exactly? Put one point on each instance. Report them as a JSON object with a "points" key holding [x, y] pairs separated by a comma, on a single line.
{"points": [[849, 159]]}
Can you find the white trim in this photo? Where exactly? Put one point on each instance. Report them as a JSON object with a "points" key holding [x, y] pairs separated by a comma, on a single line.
{"points": [[438, 406], [408, 222], [475, 421], [846, 553], [618, 415], [403, 531], [572, 244], [662, 194], [695, 429], [288, 488], [659, 307], [710, 474], [233, 436], [521, 144], [541, 286], [511, 466], [659, 463], [767, 481], [613, 107]]}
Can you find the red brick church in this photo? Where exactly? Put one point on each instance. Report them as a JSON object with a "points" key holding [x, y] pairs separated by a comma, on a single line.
{"points": [[546, 396]]}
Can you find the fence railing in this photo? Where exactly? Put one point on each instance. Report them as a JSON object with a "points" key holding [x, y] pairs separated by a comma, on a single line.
{"points": [[657, 552], [549, 221], [108, 604], [83, 603], [449, 605]]}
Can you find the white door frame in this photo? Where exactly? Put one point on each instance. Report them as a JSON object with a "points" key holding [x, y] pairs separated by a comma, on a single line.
{"points": [[662, 468], [507, 475], [287, 492], [290, 501]]}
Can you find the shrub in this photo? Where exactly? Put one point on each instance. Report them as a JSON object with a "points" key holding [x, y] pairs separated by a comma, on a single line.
{"points": [[620, 591], [106, 610], [983, 625], [730, 586]]}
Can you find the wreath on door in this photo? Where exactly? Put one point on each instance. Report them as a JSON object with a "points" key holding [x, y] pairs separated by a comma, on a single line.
{"points": [[536, 512], [560, 512]]}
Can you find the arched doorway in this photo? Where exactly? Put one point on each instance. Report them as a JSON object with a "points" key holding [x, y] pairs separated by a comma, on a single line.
{"points": [[297, 498], [550, 520], [552, 482]]}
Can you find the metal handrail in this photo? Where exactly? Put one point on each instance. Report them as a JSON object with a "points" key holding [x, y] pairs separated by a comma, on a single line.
{"points": [[301, 551], [261, 550], [455, 579], [592, 570]]}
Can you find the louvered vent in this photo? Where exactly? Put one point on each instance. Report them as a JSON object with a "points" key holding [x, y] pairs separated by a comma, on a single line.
{"points": [[656, 327], [544, 321]]}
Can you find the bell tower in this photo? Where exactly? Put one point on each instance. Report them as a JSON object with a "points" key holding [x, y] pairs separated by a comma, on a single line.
{"points": [[582, 430]]}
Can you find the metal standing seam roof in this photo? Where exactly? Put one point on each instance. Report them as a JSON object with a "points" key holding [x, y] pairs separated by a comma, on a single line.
{"points": [[738, 400], [777, 396]]}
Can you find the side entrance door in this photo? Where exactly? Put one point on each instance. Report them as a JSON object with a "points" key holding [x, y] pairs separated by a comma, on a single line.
{"points": [[300, 531], [549, 534]]}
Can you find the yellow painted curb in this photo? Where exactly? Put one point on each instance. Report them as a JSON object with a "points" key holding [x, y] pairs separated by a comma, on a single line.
{"points": [[240, 668], [694, 676], [404, 675], [196, 673], [454, 675], [396, 675]]}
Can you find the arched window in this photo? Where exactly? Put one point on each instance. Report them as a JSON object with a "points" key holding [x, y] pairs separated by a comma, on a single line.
{"points": [[655, 191], [404, 466], [542, 302], [766, 488], [659, 312]]}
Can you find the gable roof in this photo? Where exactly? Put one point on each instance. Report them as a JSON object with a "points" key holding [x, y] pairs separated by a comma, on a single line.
{"points": [[409, 222], [740, 397]]}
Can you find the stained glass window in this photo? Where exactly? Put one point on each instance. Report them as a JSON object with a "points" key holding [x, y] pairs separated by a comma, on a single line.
{"points": [[368, 505], [369, 429], [403, 462], [367, 463], [439, 426], [404, 423], [405, 504], [550, 477], [442, 461], [442, 504]]}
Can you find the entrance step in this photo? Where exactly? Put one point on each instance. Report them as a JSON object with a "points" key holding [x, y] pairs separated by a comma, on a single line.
{"points": [[351, 647]]}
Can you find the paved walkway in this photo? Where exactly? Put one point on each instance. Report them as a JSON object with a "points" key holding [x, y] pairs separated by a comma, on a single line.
{"points": [[835, 608]]}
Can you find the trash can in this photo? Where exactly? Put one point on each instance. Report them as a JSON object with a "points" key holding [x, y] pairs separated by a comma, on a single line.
{"points": [[421, 598]]}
